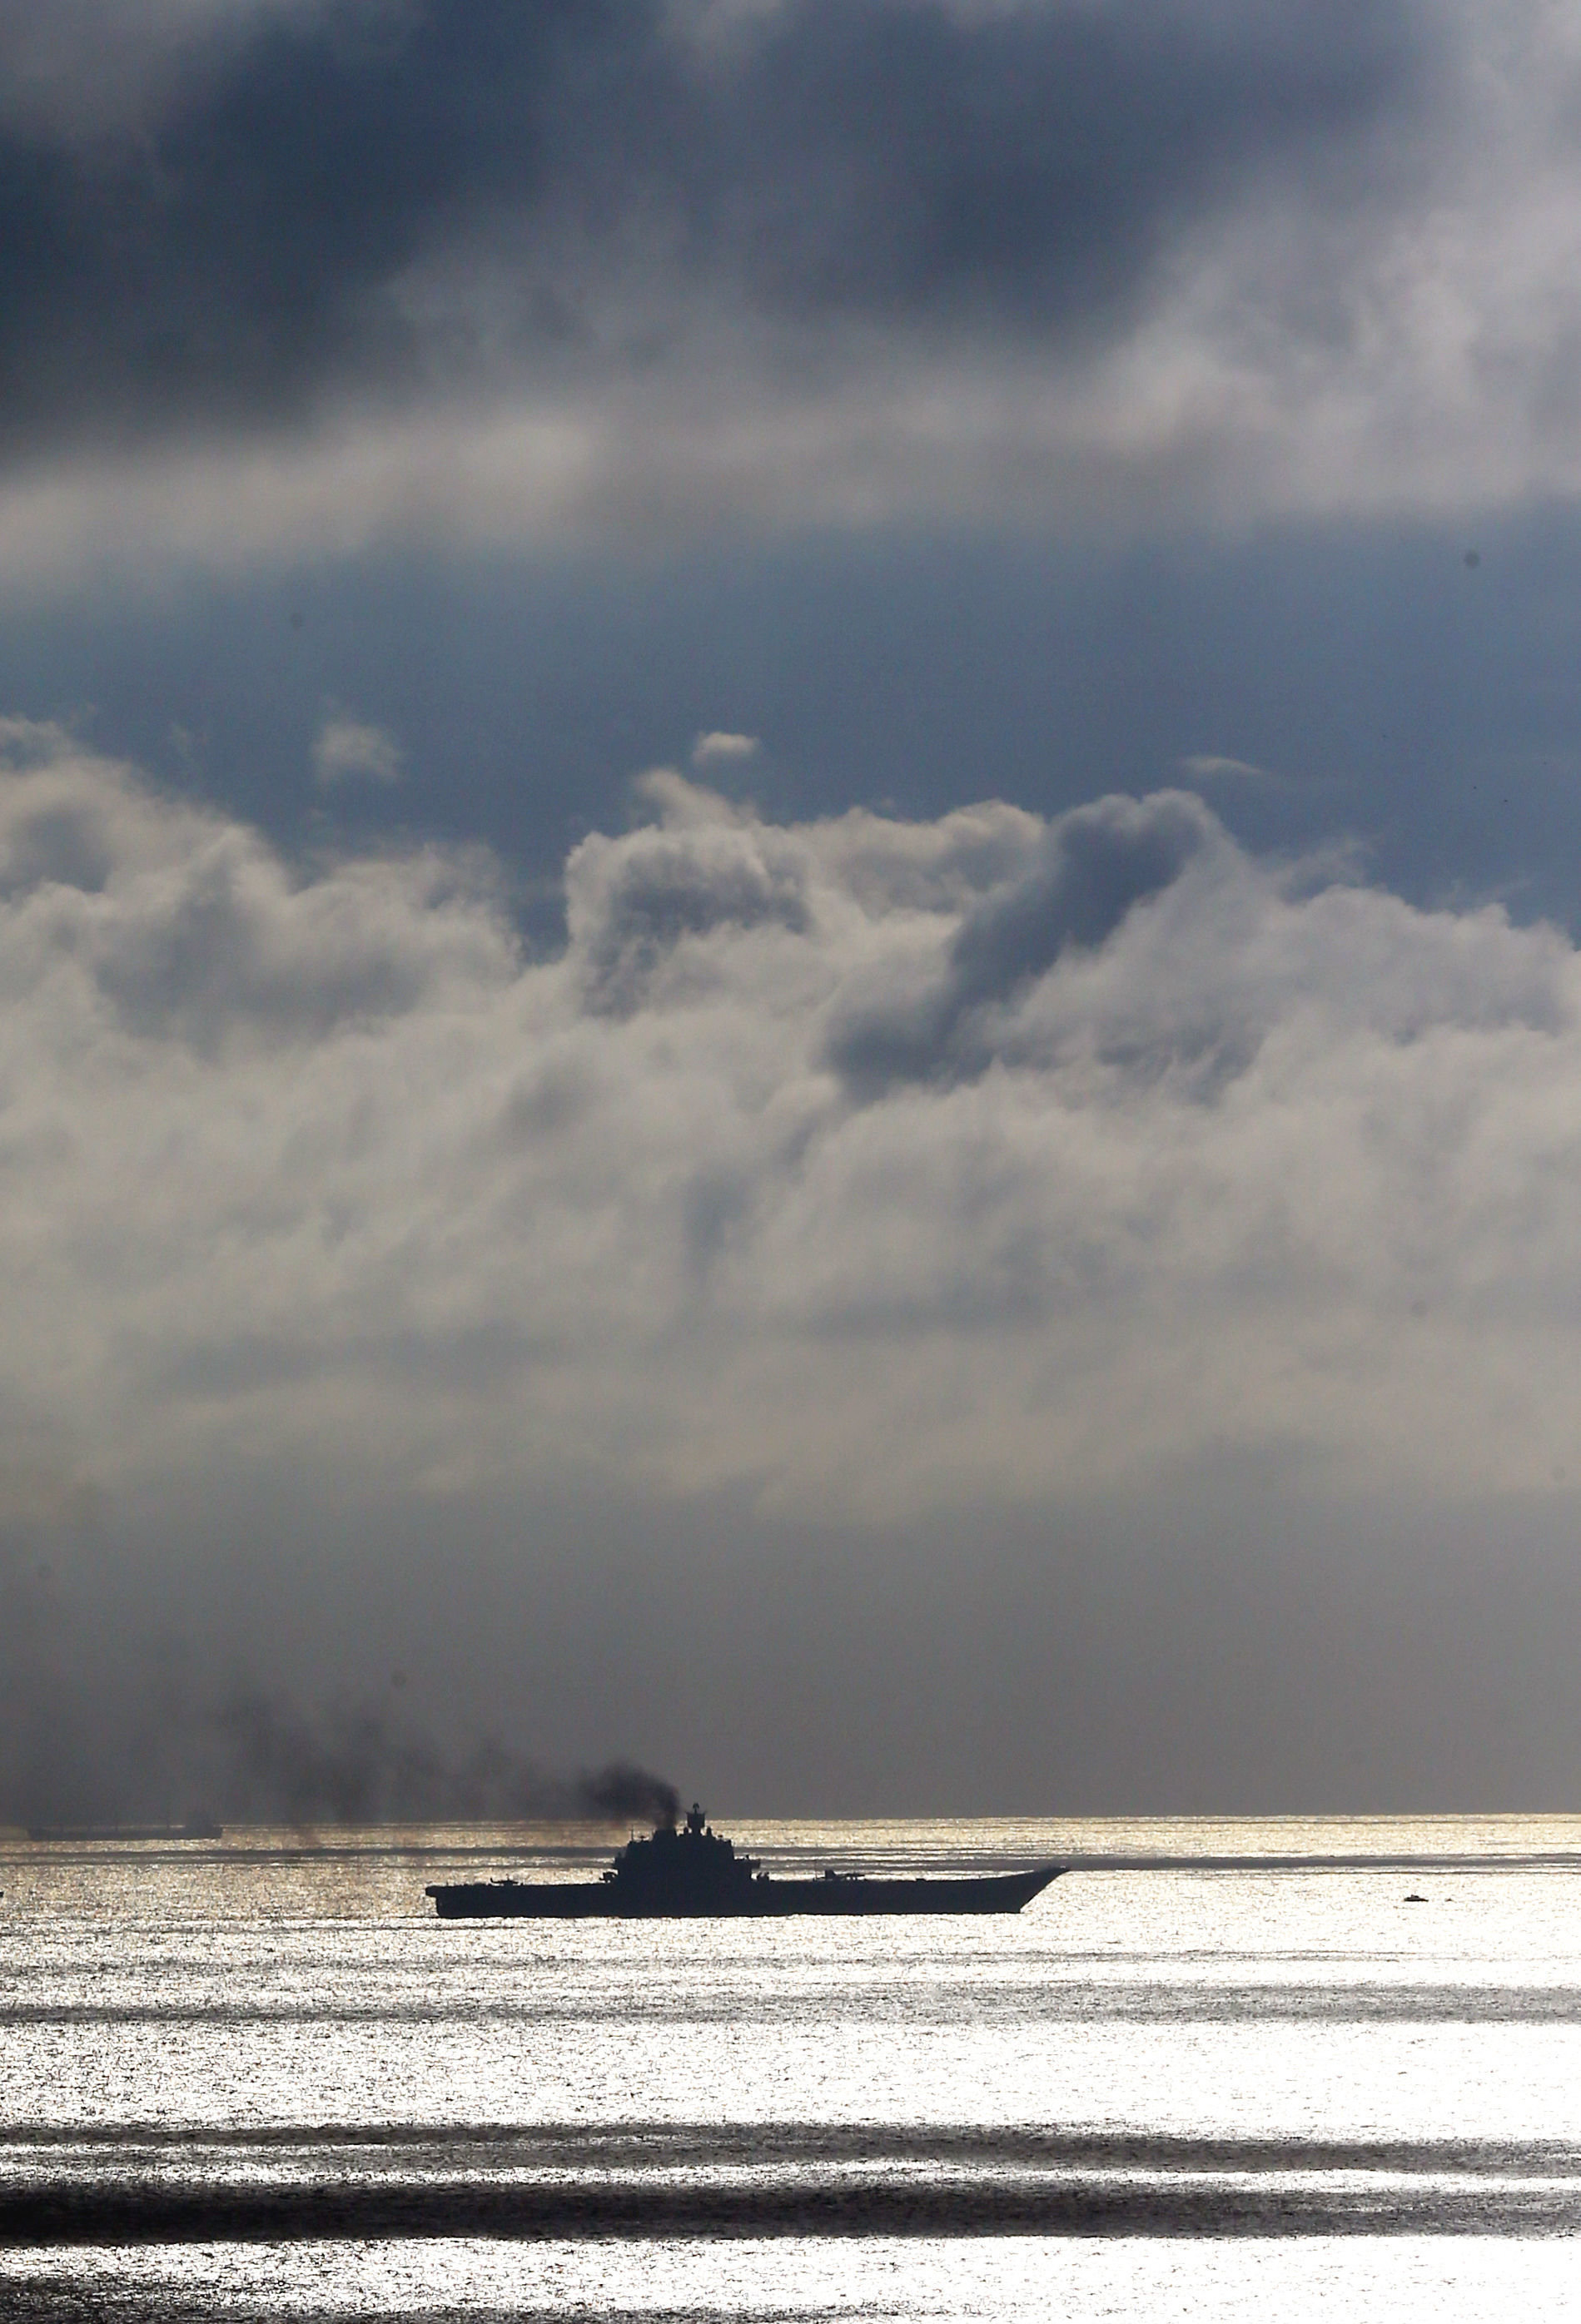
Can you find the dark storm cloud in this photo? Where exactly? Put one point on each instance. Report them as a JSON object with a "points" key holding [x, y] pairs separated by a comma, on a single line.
{"points": [[361, 197]]}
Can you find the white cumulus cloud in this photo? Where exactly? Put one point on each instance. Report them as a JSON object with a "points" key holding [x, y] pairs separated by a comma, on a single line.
{"points": [[716, 748], [350, 749], [866, 1168]]}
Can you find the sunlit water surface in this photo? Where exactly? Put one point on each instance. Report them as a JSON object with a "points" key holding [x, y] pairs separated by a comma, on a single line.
{"points": [[256, 2078]]}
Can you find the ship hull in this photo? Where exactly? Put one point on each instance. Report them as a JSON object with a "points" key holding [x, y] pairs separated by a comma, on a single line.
{"points": [[765, 1900]]}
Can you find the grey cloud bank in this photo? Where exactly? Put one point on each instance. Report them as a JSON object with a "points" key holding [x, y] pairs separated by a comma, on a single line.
{"points": [[1148, 1375], [607, 272], [867, 1168]]}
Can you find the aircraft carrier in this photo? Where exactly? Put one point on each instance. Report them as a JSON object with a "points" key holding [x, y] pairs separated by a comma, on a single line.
{"points": [[693, 1873]]}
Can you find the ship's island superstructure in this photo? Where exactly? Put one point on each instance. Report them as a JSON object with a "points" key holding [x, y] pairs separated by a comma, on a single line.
{"points": [[694, 1873]]}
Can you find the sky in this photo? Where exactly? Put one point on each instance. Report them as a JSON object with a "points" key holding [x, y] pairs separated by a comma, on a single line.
{"points": [[789, 886]]}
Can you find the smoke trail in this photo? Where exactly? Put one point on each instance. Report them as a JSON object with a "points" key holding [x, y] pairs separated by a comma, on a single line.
{"points": [[159, 1751], [105, 1722], [621, 1791], [273, 1762]]}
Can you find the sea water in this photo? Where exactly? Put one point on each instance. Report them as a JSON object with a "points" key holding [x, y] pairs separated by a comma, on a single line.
{"points": [[257, 2077]]}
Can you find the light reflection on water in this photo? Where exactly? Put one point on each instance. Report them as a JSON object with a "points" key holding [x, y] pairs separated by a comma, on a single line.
{"points": [[1365, 2280], [1238, 2077]]}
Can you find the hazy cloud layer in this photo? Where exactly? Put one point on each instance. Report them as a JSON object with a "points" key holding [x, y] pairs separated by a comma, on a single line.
{"points": [[80, 72], [530, 269], [871, 1169]]}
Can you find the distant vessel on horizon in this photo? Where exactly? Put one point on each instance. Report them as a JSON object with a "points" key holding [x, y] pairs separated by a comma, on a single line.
{"points": [[194, 1828], [694, 1874]]}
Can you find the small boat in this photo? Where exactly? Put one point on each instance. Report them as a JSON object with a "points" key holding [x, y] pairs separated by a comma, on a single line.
{"points": [[194, 1828], [694, 1873]]}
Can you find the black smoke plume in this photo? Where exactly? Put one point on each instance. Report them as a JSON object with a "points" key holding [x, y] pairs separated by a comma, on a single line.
{"points": [[621, 1792], [275, 1763], [268, 1760], [97, 1727], [259, 1758]]}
